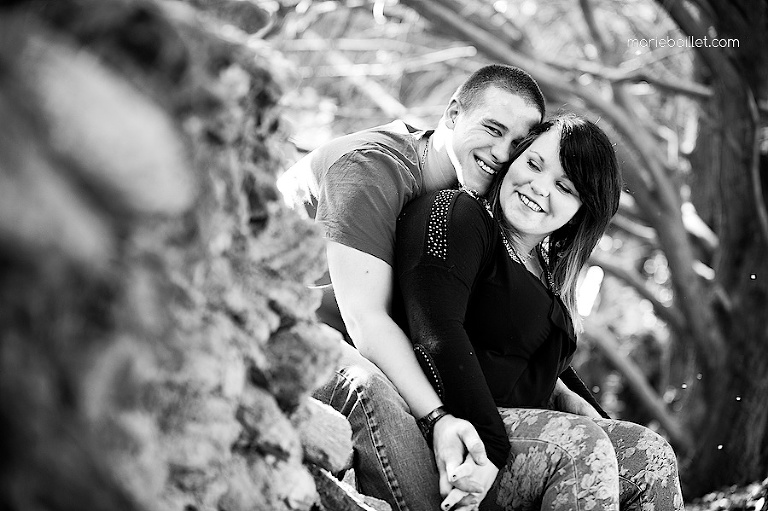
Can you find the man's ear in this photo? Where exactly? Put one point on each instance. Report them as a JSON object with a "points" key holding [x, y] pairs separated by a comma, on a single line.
{"points": [[451, 113]]}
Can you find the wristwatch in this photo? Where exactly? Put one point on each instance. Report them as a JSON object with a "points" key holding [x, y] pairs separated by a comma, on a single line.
{"points": [[427, 423]]}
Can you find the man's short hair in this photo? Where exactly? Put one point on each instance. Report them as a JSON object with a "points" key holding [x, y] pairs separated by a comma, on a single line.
{"points": [[509, 78]]}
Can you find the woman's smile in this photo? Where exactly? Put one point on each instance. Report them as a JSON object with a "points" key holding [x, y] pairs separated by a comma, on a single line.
{"points": [[537, 196], [533, 205]]}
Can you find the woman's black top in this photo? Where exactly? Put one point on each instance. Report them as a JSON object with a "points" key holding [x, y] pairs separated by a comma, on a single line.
{"points": [[487, 332]]}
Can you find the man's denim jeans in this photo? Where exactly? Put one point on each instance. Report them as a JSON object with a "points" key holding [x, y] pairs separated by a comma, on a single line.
{"points": [[392, 461]]}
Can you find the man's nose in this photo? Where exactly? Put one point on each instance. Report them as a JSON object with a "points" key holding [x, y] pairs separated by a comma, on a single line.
{"points": [[502, 150]]}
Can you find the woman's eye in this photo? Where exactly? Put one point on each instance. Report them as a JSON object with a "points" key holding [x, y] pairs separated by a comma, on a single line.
{"points": [[533, 164], [565, 189]]}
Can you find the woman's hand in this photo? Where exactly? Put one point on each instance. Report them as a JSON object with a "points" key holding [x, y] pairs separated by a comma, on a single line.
{"points": [[469, 474], [565, 400], [455, 441]]}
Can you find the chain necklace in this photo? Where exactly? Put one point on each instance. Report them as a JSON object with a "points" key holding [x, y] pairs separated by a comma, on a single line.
{"points": [[479, 198], [511, 250], [513, 253], [424, 154]]}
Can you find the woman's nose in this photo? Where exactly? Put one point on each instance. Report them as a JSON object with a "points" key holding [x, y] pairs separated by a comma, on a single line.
{"points": [[539, 188]]}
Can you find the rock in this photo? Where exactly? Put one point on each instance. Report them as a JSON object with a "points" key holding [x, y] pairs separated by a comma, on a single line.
{"points": [[157, 322], [325, 435], [301, 358], [339, 496], [138, 163], [265, 428], [44, 216], [245, 14]]}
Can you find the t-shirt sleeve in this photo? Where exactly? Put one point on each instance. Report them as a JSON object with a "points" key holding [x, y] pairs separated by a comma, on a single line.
{"points": [[441, 248], [359, 199]]}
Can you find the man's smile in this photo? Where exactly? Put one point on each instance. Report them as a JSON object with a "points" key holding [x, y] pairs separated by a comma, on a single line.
{"points": [[484, 167]]}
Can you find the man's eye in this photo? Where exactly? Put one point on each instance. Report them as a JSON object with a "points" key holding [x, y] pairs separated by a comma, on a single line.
{"points": [[495, 132]]}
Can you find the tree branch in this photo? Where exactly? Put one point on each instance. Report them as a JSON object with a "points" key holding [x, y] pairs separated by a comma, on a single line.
{"points": [[411, 65], [618, 76], [589, 18], [375, 92], [635, 229], [671, 315], [607, 344], [637, 74], [757, 186], [714, 57], [691, 297], [348, 44]]}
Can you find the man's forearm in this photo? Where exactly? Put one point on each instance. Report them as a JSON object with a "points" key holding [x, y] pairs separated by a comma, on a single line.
{"points": [[382, 342], [363, 285]]}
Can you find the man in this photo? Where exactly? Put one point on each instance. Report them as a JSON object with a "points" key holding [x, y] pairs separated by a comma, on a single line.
{"points": [[356, 186]]}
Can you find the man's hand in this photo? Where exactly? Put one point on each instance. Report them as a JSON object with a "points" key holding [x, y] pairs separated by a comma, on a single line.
{"points": [[452, 440], [565, 400]]}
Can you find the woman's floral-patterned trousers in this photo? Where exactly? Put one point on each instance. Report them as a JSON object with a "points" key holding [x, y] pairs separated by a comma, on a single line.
{"points": [[561, 461]]}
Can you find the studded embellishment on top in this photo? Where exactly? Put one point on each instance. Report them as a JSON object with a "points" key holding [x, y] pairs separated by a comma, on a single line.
{"points": [[437, 230], [428, 366]]}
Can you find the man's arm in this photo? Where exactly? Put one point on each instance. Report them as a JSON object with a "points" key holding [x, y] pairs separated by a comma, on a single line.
{"points": [[363, 286]]}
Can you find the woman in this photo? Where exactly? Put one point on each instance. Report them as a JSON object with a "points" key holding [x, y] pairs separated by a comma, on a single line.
{"points": [[487, 292]]}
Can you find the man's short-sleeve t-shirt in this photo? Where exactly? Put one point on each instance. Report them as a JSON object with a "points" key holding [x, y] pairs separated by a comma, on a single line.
{"points": [[357, 185]]}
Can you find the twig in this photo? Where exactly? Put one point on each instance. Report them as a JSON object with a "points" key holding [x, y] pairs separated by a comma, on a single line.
{"points": [[393, 69], [373, 90]]}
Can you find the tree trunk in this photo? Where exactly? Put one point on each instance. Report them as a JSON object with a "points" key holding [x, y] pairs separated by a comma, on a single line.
{"points": [[732, 445], [732, 439]]}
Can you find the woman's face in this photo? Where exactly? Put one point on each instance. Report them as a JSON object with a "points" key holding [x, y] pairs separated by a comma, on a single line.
{"points": [[537, 198]]}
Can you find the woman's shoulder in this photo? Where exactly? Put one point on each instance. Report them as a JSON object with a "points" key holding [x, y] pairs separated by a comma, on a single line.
{"points": [[451, 208], [472, 203], [453, 211], [448, 202], [447, 225]]}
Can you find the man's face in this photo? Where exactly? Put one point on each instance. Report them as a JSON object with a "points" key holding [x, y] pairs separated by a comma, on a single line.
{"points": [[485, 135]]}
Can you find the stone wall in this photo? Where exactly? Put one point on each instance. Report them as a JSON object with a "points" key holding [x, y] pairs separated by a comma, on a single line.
{"points": [[158, 336]]}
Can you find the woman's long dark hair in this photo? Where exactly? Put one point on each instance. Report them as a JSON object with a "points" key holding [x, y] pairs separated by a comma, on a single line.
{"points": [[589, 160]]}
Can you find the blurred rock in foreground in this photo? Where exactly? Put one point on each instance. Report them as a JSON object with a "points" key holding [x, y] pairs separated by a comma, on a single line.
{"points": [[153, 289]]}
